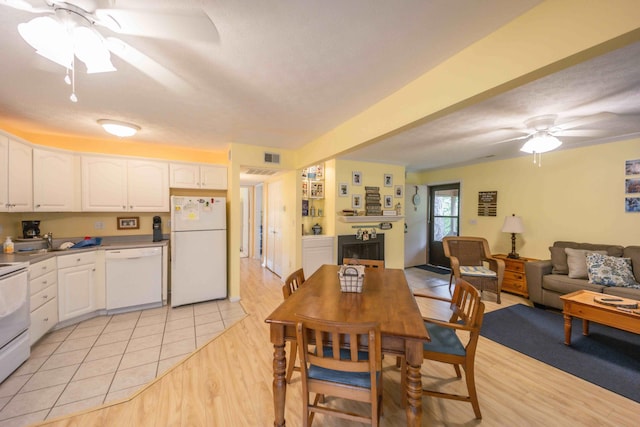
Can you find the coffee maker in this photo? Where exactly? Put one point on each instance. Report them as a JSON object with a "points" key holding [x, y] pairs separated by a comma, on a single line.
{"points": [[30, 229], [157, 229]]}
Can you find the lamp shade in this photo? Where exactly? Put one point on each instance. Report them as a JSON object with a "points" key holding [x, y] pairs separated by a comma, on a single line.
{"points": [[513, 224], [541, 142]]}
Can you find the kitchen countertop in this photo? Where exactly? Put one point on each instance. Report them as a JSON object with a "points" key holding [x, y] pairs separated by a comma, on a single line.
{"points": [[107, 244]]}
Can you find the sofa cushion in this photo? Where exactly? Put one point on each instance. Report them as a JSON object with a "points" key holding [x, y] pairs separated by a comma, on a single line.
{"points": [[563, 284], [609, 271], [577, 262], [559, 257], [619, 291], [633, 252]]}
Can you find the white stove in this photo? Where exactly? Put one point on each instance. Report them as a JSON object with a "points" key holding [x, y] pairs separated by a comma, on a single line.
{"points": [[10, 267]]}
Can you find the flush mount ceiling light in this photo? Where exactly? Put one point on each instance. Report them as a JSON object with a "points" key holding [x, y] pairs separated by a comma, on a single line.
{"points": [[65, 36], [121, 129], [540, 142]]}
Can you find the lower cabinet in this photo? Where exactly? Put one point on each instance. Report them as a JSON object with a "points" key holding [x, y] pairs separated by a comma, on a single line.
{"points": [[43, 289], [76, 285], [316, 251]]}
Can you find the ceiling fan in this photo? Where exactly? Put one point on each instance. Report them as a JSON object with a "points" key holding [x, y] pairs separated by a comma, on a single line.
{"points": [[542, 132], [76, 29]]}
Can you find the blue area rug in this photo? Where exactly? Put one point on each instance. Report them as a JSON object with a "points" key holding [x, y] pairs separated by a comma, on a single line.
{"points": [[607, 357], [434, 269]]}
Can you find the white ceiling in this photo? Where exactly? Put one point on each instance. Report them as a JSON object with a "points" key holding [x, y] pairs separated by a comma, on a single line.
{"points": [[281, 73]]}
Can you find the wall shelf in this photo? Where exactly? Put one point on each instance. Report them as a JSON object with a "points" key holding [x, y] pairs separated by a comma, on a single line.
{"points": [[370, 218]]}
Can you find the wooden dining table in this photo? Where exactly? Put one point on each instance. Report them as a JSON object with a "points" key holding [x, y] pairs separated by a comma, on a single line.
{"points": [[385, 298]]}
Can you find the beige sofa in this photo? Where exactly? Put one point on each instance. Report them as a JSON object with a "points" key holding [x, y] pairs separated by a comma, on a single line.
{"points": [[549, 279]]}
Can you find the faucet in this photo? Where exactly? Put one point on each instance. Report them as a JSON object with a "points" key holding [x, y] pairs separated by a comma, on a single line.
{"points": [[49, 237]]}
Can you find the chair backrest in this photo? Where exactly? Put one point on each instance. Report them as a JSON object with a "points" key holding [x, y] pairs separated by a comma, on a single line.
{"points": [[371, 263], [339, 354], [468, 310], [292, 283], [469, 251]]}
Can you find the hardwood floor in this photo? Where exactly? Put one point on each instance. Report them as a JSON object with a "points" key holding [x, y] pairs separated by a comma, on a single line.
{"points": [[227, 382]]}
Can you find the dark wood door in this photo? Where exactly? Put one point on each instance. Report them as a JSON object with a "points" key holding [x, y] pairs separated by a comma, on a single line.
{"points": [[444, 211]]}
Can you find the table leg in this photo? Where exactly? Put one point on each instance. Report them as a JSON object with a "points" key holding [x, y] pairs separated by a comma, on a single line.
{"points": [[567, 329], [279, 378], [414, 385], [585, 327]]}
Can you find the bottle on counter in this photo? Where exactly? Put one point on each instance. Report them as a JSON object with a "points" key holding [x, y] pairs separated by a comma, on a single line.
{"points": [[8, 246]]}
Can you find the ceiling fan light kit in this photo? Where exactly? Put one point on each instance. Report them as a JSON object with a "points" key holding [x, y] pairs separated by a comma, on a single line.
{"points": [[117, 128]]}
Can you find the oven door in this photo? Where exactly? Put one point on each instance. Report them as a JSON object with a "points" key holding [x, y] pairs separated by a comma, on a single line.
{"points": [[14, 306]]}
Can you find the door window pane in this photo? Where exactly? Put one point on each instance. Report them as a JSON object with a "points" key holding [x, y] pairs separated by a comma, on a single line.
{"points": [[444, 226]]}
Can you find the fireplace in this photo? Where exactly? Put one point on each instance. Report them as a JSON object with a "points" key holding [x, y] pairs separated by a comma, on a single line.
{"points": [[351, 247]]}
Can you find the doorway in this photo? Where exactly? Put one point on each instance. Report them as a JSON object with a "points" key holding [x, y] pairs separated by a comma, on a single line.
{"points": [[415, 229], [444, 220]]}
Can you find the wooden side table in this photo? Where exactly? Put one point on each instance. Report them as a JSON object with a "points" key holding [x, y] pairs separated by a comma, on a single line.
{"points": [[514, 281]]}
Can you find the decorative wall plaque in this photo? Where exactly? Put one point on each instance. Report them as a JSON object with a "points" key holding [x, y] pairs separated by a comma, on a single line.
{"points": [[487, 203]]}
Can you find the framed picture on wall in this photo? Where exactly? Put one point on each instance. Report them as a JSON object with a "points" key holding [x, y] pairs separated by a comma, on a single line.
{"points": [[356, 178], [397, 192], [632, 204], [305, 189], [316, 189], [388, 202], [128, 223], [343, 189], [356, 201], [632, 167], [388, 180]]}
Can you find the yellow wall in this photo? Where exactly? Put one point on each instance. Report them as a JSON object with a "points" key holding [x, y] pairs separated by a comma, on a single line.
{"points": [[372, 175], [576, 195]]}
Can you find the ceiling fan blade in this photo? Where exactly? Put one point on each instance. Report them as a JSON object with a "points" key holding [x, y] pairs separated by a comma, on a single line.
{"points": [[584, 133], [585, 120], [517, 138], [25, 6], [181, 24]]}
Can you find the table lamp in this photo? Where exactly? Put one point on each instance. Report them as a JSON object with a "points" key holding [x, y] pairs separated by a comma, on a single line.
{"points": [[513, 224]]}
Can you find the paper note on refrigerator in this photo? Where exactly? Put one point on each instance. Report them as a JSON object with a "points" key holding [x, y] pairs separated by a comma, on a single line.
{"points": [[190, 211]]}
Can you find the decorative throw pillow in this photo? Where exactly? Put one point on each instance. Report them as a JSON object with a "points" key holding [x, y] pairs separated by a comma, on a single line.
{"points": [[577, 262], [610, 271], [558, 260]]}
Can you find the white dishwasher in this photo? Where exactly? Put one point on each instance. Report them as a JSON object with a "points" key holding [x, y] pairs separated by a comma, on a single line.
{"points": [[134, 277]]}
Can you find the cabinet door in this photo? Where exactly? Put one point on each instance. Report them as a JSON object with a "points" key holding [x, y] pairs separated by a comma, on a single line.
{"points": [[104, 184], [213, 177], [42, 320], [76, 291], [4, 174], [53, 181], [148, 186], [183, 175], [20, 178]]}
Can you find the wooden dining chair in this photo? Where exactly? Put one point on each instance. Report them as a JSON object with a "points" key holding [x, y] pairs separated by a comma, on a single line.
{"points": [[471, 260], [371, 263], [291, 284], [446, 346], [346, 363]]}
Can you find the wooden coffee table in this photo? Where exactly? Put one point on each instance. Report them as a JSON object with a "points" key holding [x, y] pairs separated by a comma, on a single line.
{"points": [[581, 304]]}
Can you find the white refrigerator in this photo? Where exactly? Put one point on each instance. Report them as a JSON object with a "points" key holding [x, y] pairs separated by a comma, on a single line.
{"points": [[198, 249]]}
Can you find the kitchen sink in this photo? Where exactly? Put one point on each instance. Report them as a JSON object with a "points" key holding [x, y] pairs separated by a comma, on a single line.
{"points": [[39, 251]]}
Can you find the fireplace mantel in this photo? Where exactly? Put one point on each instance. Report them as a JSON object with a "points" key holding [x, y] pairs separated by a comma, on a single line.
{"points": [[370, 218]]}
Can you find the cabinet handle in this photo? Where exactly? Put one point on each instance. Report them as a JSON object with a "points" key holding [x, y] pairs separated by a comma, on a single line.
{"points": [[37, 206], [46, 319], [124, 208], [44, 268], [44, 282], [78, 260], [45, 296]]}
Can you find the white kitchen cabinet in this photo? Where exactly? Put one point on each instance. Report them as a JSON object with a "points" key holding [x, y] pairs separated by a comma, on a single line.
{"points": [[316, 251], [55, 181], [16, 180], [193, 175], [43, 304], [77, 285], [114, 184]]}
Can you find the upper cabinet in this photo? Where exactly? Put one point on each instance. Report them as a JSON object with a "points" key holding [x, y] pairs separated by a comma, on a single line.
{"points": [[192, 175], [56, 181], [113, 184], [16, 180]]}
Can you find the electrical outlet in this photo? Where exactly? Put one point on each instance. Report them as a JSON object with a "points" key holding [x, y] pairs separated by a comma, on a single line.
{"points": [[98, 225]]}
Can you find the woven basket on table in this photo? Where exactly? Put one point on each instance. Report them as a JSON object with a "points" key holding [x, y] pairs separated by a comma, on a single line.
{"points": [[351, 278]]}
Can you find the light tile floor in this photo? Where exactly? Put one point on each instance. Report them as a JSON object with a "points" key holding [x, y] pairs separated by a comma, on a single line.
{"points": [[107, 358]]}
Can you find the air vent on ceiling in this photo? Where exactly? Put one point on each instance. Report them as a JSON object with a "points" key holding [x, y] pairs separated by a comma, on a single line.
{"points": [[272, 158], [258, 171]]}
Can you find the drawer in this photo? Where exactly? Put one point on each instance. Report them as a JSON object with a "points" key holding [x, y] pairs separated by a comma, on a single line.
{"points": [[43, 296], [510, 275], [82, 258], [515, 285], [43, 267], [41, 282], [514, 265], [42, 320]]}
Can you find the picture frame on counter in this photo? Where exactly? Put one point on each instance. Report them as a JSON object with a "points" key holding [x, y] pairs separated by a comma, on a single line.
{"points": [[128, 222]]}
